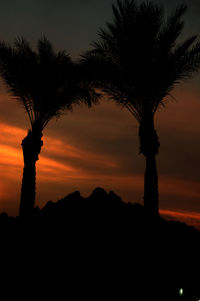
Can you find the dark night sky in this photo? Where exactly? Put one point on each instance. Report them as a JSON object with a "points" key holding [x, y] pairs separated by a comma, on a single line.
{"points": [[70, 24], [94, 147]]}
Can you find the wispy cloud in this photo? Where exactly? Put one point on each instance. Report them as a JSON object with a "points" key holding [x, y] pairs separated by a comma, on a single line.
{"points": [[99, 147], [54, 164], [188, 217]]}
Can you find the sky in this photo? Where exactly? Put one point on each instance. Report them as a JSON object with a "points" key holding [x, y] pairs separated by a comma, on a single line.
{"points": [[94, 147]]}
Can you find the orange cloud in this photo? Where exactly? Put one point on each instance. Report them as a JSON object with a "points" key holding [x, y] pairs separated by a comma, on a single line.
{"points": [[181, 188], [3, 192], [190, 218], [182, 114], [48, 169], [58, 170], [64, 149], [183, 214], [10, 155]]}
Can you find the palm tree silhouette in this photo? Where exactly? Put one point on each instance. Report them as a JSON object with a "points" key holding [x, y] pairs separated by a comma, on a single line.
{"points": [[137, 61], [45, 83]]}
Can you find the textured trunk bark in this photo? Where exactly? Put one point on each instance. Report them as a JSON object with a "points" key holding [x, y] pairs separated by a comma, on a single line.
{"points": [[31, 146], [151, 195], [28, 189], [149, 146]]}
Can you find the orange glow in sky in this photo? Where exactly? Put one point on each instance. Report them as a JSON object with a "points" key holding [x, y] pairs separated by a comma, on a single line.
{"points": [[83, 157], [99, 146], [191, 218]]}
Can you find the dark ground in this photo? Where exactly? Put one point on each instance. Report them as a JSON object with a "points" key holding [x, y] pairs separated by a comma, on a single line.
{"points": [[100, 248]]}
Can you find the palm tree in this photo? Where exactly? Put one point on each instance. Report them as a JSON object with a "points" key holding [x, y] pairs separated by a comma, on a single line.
{"points": [[45, 83], [137, 61]]}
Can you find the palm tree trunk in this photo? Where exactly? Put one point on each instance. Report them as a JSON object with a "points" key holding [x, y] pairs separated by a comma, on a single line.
{"points": [[151, 196], [28, 189], [149, 147], [31, 146]]}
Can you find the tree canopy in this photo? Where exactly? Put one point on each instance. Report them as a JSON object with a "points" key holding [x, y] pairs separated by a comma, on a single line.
{"points": [[139, 58], [43, 81]]}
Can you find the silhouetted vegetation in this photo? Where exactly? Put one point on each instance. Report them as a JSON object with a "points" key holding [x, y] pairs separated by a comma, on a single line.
{"points": [[112, 247], [45, 83], [109, 249], [137, 61]]}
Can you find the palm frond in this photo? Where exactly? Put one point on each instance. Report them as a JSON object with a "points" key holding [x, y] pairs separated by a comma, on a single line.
{"points": [[172, 29], [137, 59], [45, 82]]}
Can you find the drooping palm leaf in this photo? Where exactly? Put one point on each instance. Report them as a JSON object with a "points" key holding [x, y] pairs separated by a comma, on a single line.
{"points": [[137, 61], [138, 57], [45, 82]]}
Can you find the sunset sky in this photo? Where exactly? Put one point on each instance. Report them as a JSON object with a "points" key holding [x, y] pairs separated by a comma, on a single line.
{"points": [[98, 146]]}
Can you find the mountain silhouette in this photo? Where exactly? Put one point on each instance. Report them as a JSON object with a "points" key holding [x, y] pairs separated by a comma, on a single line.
{"points": [[137, 60], [110, 247]]}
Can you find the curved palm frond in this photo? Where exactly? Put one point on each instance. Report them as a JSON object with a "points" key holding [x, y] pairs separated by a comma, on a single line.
{"points": [[138, 59], [45, 82]]}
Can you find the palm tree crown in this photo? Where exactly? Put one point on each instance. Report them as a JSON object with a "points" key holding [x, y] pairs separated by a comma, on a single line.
{"points": [[137, 61], [44, 82], [137, 56]]}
